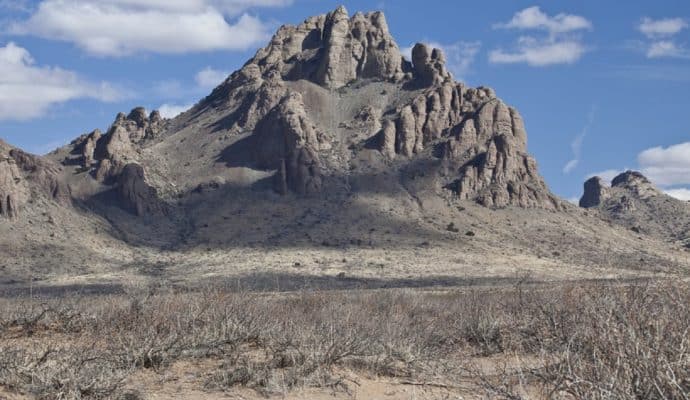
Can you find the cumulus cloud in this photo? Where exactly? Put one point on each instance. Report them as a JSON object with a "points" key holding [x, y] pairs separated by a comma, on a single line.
{"points": [[562, 44], [539, 54], [123, 27], [666, 166], [534, 18], [660, 35], [28, 90], [209, 78], [576, 144], [661, 27], [459, 55], [173, 110]]}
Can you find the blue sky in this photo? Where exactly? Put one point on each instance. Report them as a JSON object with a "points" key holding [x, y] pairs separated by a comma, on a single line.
{"points": [[601, 87]]}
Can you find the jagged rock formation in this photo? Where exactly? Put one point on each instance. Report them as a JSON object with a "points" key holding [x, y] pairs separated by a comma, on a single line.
{"points": [[429, 65], [287, 140], [333, 50], [634, 202], [318, 100], [483, 141], [595, 193], [117, 148], [108, 153]]}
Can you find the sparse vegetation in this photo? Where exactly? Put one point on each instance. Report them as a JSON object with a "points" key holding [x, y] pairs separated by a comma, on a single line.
{"points": [[575, 342]]}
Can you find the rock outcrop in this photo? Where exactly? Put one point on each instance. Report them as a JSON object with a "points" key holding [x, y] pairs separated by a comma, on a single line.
{"points": [[429, 65], [329, 50], [333, 50], [595, 193], [635, 182], [624, 188], [13, 193], [287, 140], [118, 147], [135, 194], [483, 142], [24, 176]]}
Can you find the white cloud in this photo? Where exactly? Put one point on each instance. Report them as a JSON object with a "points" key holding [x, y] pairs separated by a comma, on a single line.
{"points": [[459, 55], [666, 48], [661, 27], [209, 78], [666, 166], [576, 144], [28, 90], [173, 110], [540, 53], [560, 46], [534, 18], [123, 27], [660, 33], [680, 193]]}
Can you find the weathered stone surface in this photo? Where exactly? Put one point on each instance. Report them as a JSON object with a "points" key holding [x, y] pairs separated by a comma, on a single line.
{"points": [[119, 145], [636, 183], [23, 176], [44, 174], [595, 193], [330, 50], [387, 139], [503, 175], [482, 138], [287, 140], [13, 193], [429, 65], [136, 195]]}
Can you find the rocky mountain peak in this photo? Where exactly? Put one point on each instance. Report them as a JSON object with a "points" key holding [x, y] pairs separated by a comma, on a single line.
{"points": [[326, 103], [635, 183], [630, 179], [625, 186], [335, 49]]}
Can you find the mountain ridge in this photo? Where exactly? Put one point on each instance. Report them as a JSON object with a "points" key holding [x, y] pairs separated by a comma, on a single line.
{"points": [[327, 141]]}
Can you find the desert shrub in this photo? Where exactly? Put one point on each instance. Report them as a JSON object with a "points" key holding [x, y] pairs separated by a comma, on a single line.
{"points": [[583, 341]]}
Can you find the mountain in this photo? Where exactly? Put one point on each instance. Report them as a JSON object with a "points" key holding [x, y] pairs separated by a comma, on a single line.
{"points": [[326, 152], [633, 202]]}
